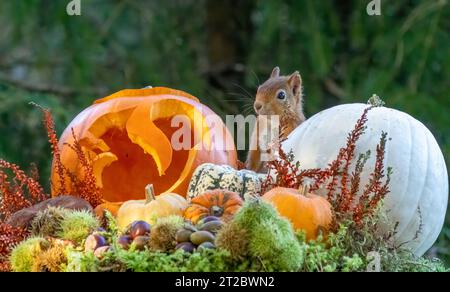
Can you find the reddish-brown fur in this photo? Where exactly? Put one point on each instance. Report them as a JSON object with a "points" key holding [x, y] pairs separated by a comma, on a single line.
{"points": [[289, 110]]}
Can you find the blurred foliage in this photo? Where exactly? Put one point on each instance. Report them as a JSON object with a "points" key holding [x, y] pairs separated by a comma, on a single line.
{"points": [[219, 50]]}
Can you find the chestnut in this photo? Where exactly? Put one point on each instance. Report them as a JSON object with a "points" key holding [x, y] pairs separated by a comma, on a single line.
{"points": [[94, 241], [124, 241], [139, 228], [100, 252], [140, 242], [206, 245], [208, 219], [186, 247]]}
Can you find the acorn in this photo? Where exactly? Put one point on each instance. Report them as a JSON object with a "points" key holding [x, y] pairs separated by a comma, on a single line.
{"points": [[200, 237], [93, 242], [190, 227], [208, 219], [139, 228], [183, 235], [186, 247], [140, 242], [206, 245], [124, 241], [212, 226]]}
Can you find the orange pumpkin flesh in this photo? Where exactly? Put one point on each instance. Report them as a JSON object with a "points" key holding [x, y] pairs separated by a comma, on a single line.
{"points": [[306, 211], [127, 136]]}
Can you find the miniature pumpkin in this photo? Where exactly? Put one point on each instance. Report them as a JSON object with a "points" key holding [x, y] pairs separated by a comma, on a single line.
{"points": [[112, 207], [209, 176], [128, 136], [306, 211], [419, 182], [218, 203], [151, 208]]}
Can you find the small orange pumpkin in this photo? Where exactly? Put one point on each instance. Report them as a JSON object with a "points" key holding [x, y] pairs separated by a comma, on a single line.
{"points": [[306, 211], [218, 203], [112, 207]]}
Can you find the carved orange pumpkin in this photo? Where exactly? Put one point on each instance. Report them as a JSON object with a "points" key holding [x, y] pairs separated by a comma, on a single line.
{"points": [[218, 203], [306, 211], [128, 135]]}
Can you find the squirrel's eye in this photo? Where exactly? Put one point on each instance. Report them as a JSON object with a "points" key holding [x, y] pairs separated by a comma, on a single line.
{"points": [[281, 95]]}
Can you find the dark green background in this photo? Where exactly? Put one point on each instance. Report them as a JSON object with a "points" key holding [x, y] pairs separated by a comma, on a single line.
{"points": [[219, 50]]}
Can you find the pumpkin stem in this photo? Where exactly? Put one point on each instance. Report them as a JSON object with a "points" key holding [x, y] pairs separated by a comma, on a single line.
{"points": [[304, 189], [216, 211], [149, 193], [376, 101]]}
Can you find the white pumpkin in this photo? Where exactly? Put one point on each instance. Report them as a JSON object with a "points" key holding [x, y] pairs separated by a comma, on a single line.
{"points": [[419, 180]]}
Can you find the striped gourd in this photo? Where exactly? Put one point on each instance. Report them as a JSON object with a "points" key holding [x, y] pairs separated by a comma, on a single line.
{"points": [[209, 176]]}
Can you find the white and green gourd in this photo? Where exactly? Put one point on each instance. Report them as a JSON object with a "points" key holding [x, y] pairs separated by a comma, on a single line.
{"points": [[209, 176], [419, 182]]}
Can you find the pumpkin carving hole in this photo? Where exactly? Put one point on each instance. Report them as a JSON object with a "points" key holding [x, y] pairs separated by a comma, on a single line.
{"points": [[134, 169]]}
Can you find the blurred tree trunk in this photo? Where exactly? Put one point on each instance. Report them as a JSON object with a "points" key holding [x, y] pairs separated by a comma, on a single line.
{"points": [[229, 31]]}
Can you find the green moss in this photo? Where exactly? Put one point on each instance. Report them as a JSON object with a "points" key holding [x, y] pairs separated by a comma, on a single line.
{"points": [[77, 225], [48, 221], [111, 224], [149, 261], [348, 250], [255, 211], [24, 255], [81, 262], [353, 264], [272, 240]]}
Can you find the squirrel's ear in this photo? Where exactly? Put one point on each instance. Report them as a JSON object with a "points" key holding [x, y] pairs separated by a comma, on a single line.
{"points": [[295, 82], [275, 72]]}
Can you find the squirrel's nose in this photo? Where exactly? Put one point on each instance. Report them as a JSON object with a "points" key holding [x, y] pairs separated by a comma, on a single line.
{"points": [[258, 106]]}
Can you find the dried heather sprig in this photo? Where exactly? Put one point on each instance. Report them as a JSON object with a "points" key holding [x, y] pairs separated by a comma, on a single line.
{"points": [[9, 237], [59, 168], [375, 190], [14, 197], [355, 181], [87, 188], [288, 174], [340, 166]]}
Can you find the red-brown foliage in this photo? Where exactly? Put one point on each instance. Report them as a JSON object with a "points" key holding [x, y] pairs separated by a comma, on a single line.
{"points": [[49, 125], [85, 188], [22, 191], [9, 237]]}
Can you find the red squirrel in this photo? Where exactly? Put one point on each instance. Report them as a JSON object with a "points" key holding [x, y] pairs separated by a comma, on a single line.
{"points": [[282, 96]]}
